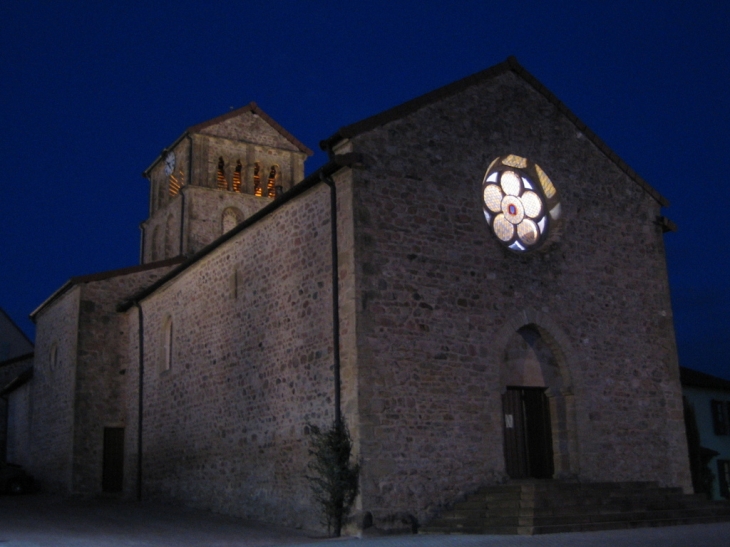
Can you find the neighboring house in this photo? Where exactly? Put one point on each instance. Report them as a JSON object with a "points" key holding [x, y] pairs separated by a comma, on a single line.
{"points": [[16, 360], [483, 275], [709, 397]]}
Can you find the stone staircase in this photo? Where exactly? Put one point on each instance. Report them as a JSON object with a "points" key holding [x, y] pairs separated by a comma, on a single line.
{"points": [[551, 506]]}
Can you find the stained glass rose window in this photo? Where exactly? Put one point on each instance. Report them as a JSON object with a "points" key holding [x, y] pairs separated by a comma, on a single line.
{"points": [[520, 202]]}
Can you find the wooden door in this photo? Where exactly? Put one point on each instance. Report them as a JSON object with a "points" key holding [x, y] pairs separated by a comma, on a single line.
{"points": [[113, 460], [528, 449]]}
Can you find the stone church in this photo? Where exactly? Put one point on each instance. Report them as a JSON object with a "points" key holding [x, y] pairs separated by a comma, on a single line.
{"points": [[474, 280]]}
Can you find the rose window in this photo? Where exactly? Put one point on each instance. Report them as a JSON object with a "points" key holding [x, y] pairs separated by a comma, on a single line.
{"points": [[519, 202]]}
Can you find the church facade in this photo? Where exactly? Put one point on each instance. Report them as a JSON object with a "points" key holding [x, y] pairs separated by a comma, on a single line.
{"points": [[474, 280]]}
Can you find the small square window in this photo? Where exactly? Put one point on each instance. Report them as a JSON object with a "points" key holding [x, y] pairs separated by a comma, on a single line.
{"points": [[720, 416]]}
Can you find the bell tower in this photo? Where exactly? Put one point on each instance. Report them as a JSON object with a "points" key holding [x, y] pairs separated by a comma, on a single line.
{"points": [[214, 176]]}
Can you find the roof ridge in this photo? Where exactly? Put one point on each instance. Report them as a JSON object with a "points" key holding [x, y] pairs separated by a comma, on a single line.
{"points": [[256, 110], [509, 64], [696, 378], [17, 359], [101, 276], [250, 107]]}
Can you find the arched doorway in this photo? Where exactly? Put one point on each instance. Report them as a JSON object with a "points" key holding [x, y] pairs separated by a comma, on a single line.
{"points": [[534, 407]]}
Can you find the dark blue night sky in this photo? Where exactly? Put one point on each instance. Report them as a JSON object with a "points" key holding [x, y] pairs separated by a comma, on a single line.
{"points": [[91, 92]]}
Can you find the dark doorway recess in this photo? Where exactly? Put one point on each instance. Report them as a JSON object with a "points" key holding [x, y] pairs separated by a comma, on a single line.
{"points": [[113, 463], [528, 444]]}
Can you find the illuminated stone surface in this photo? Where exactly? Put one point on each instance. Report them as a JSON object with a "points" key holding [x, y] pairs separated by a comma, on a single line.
{"points": [[431, 303]]}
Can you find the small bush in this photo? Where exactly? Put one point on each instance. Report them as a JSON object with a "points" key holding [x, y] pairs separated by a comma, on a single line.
{"points": [[334, 478]]}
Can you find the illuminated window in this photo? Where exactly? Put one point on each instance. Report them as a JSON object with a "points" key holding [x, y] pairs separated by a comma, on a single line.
{"points": [[257, 180], [167, 344], [221, 176], [237, 177], [173, 185], [271, 187], [519, 202]]}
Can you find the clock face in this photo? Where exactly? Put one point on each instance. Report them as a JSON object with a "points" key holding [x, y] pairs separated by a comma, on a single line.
{"points": [[520, 203], [169, 163]]}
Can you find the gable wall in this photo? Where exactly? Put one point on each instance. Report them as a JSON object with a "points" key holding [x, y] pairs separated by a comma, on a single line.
{"points": [[439, 297], [102, 362], [52, 399], [252, 128]]}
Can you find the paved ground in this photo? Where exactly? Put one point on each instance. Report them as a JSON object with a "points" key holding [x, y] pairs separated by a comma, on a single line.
{"points": [[47, 521]]}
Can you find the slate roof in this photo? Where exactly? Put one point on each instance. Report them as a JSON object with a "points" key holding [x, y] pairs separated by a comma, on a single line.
{"points": [[101, 276], [509, 65], [22, 378], [695, 378]]}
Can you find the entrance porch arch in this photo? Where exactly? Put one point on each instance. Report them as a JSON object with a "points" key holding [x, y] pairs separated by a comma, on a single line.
{"points": [[532, 356]]}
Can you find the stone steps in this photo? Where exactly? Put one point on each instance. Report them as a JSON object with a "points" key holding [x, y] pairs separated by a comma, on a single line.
{"points": [[543, 507]]}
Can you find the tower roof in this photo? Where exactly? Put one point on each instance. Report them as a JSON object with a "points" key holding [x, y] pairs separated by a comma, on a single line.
{"points": [[219, 121]]}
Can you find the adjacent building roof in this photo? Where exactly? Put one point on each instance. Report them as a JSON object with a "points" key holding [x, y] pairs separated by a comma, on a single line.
{"points": [[18, 381], [695, 378], [13, 341], [510, 65], [17, 359]]}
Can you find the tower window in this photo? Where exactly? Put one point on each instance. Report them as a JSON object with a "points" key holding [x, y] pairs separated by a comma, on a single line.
{"points": [[237, 177], [271, 186], [257, 191], [173, 185], [221, 176]]}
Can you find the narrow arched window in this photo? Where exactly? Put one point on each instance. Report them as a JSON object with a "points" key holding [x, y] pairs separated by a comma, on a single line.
{"points": [[171, 238], [221, 176], [53, 356], [257, 191], [232, 217], [156, 246], [271, 187], [237, 177], [167, 344]]}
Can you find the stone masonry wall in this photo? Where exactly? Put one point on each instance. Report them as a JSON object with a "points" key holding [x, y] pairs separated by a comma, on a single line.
{"points": [[225, 427], [203, 213], [101, 369], [205, 209], [52, 410], [439, 298]]}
